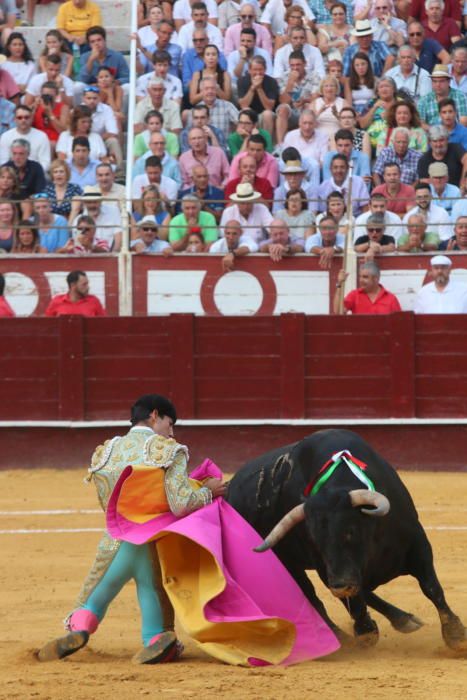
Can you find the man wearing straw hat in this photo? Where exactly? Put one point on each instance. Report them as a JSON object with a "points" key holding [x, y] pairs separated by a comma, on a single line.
{"points": [[252, 216], [428, 106], [294, 179], [378, 53]]}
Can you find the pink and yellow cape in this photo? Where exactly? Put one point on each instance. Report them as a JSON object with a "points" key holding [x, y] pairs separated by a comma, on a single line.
{"points": [[241, 607]]}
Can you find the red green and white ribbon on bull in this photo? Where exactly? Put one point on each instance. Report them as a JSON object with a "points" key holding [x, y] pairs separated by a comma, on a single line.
{"points": [[344, 457]]}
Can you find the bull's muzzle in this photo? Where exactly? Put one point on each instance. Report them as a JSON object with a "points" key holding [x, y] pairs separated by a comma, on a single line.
{"points": [[344, 591]]}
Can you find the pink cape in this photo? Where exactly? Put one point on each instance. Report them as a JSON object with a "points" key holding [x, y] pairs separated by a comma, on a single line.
{"points": [[257, 586]]}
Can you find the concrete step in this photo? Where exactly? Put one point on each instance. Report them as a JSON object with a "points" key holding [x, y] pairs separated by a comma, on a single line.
{"points": [[114, 14], [116, 18]]}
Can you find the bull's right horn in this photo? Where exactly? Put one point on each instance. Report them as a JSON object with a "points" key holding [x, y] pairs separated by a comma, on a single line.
{"points": [[362, 497], [292, 518]]}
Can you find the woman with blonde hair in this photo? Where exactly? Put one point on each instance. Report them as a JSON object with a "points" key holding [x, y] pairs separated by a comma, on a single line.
{"points": [[61, 192], [294, 18], [328, 105], [151, 204], [8, 219]]}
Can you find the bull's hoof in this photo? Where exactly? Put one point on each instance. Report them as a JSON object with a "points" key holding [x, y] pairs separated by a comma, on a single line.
{"points": [[455, 635], [407, 624], [366, 633], [63, 646]]}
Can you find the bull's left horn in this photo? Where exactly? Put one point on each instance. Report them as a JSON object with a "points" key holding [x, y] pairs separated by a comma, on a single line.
{"points": [[363, 497], [292, 518]]}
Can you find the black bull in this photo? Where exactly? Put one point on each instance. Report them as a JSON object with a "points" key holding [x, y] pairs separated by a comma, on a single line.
{"points": [[353, 550]]}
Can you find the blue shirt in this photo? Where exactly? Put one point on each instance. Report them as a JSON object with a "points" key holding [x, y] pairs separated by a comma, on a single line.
{"points": [[191, 62], [87, 177], [429, 54], [175, 55], [7, 115], [447, 198], [322, 14], [361, 164], [212, 195], [56, 236], [157, 246], [459, 209], [170, 167], [459, 135], [377, 54], [113, 60]]}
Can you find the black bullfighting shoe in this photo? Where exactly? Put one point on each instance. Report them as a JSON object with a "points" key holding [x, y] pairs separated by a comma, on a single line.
{"points": [[63, 646], [164, 648]]}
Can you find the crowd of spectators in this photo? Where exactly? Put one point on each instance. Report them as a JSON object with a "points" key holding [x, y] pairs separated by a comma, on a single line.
{"points": [[248, 117]]}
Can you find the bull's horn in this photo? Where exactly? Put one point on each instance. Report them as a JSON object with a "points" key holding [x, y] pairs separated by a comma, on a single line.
{"points": [[363, 497], [292, 518]]}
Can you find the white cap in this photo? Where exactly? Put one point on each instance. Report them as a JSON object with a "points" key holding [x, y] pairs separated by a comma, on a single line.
{"points": [[441, 260]]}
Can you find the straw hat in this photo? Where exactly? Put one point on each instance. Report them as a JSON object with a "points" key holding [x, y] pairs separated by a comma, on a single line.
{"points": [[245, 192]]}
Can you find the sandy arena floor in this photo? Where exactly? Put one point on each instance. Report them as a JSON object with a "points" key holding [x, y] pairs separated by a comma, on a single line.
{"points": [[41, 573]]}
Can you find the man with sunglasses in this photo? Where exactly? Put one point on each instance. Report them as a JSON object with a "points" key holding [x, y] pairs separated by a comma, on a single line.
{"points": [[376, 241], [148, 241], [247, 16], [38, 141], [428, 52]]}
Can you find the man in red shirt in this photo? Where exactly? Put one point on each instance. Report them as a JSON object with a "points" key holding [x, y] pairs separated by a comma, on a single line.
{"points": [[248, 167], [78, 301], [370, 298], [400, 197], [5, 309]]}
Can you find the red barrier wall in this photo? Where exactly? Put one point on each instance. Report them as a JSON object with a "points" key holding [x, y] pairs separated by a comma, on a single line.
{"points": [[288, 366]]}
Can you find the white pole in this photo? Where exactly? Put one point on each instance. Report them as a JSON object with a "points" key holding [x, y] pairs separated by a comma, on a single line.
{"points": [[124, 262]]}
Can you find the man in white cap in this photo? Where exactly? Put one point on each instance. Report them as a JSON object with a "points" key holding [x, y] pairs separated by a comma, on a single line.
{"points": [[443, 192], [252, 216], [428, 106], [379, 54], [442, 296], [148, 240]]}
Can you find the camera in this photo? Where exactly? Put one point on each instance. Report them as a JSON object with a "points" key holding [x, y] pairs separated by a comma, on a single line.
{"points": [[48, 99]]}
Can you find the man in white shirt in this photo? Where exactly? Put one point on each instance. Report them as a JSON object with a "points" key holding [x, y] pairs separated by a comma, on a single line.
{"points": [[112, 193], [153, 176], [378, 205], [38, 141], [199, 15], [182, 9], [52, 74], [237, 61], [106, 219], [273, 15], [309, 143], [173, 86], [442, 296], [313, 56], [407, 75], [437, 218], [253, 217], [104, 123], [233, 245]]}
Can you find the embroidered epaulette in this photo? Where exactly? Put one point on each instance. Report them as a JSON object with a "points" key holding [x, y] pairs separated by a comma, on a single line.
{"points": [[160, 452], [101, 455]]}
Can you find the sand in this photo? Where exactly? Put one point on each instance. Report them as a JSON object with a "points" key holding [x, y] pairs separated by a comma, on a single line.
{"points": [[41, 574]]}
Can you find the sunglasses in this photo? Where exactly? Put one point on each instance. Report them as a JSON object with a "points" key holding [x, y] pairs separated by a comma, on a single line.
{"points": [[85, 229], [198, 41], [377, 230], [415, 33], [149, 228], [26, 116], [247, 16]]}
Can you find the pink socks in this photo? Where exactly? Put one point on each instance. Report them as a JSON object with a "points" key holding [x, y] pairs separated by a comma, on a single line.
{"points": [[83, 620]]}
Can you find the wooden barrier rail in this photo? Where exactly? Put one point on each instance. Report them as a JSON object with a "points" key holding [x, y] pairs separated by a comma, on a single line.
{"points": [[288, 366]]}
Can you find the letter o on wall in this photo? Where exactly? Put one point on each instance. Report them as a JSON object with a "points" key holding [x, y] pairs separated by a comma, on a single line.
{"points": [[21, 293]]}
